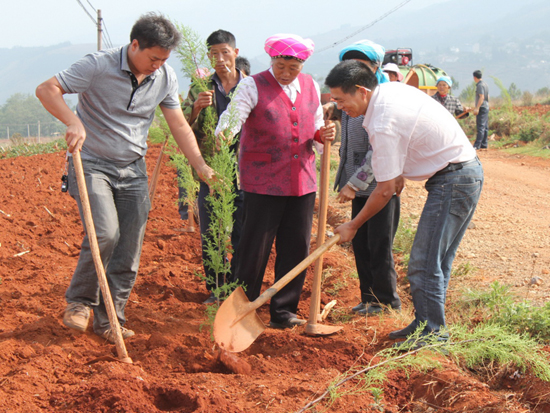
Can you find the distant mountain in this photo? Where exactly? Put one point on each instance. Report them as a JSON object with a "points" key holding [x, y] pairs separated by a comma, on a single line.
{"points": [[506, 39]]}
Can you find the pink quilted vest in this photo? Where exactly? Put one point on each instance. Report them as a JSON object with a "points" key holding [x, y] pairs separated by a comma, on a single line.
{"points": [[276, 155]]}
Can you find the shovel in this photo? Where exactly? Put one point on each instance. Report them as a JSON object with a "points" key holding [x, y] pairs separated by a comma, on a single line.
{"points": [[100, 270], [312, 327], [237, 325]]}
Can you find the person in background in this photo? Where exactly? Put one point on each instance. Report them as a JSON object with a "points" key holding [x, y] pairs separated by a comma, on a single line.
{"points": [[373, 244], [222, 48], [451, 103], [393, 72], [281, 117], [481, 111], [119, 90], [243, 65], [416, 138]]}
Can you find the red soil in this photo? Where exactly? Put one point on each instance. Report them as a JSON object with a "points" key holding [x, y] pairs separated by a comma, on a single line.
{"points": [[47, 367]]}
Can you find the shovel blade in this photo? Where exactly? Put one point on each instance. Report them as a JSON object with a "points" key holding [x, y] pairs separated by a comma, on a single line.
{"points": [[237, 325]]}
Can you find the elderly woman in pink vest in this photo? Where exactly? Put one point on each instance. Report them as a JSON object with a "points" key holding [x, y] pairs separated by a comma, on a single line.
{"points": [[281, 116]]}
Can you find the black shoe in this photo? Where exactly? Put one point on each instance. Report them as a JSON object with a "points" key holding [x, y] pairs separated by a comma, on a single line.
{"points": [[403, 333], [359, 307], [376, 309], [211, 299], [289, 323]]}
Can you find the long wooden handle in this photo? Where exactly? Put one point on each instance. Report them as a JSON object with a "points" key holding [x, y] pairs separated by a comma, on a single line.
{"points": [[275, 288], [315, 304], [100, 270]]}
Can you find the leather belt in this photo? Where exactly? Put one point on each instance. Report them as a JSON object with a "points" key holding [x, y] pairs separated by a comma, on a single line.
{"points": [[455, 166]]}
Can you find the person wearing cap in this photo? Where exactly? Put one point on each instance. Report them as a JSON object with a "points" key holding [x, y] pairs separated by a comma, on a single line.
{"points": [[414, 137], [393, 72], [373, 244], [281, 116], [450, 102]]}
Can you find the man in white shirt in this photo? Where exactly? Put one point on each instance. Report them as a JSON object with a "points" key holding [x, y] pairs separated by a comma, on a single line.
{"points": [[416, 138]]}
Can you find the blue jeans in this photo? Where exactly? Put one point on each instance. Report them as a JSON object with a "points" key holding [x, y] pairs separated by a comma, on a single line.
{"points": [[482, 124], [452, 200], [119, 200]]}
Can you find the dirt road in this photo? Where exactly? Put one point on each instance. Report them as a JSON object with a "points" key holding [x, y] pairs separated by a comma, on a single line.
{"points": [[510, 238]]}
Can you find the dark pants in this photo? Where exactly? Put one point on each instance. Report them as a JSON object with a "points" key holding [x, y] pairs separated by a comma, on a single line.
{"points": [[482, 124], [372, 247], [288, 220], [205, 211]]}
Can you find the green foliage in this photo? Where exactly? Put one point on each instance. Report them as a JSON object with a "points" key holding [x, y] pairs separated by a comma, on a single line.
{"points": [[218, 154], [29, 149], [22, 113], [404, 238], [543, 92], [504, 94], [503, 121], [514, 92], [499, 306], [489, 343], [468, 94], [527, 98], [463, 270], [456, 84]]}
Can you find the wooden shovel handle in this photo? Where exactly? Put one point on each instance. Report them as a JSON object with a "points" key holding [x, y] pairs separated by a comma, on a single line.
{"points": [[315, 302], [275, 288], [100, 270]]}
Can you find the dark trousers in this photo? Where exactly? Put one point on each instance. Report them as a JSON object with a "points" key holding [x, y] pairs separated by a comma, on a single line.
{"points": [[288, 221], [205, 212], [482, 125], [372, 247]]}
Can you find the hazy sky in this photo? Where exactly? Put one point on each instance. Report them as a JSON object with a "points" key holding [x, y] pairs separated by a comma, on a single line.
{"points": [[45, 23]]}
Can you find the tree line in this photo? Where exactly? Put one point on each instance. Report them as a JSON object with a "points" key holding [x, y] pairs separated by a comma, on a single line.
{"points": [[24, 116]]}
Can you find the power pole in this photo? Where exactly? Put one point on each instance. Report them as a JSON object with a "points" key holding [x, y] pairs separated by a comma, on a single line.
{"points": [[99, 29]]}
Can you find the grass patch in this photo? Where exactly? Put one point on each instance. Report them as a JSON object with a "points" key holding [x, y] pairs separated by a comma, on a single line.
{"points": [[463, 270], [29, 149]]}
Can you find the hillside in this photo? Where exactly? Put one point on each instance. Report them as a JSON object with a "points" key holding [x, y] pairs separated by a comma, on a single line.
{"points": [[509, 40]]}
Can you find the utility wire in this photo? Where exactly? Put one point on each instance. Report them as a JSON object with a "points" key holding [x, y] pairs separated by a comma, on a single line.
{"points": [[364, 27], [93, 8], [87, 12]]}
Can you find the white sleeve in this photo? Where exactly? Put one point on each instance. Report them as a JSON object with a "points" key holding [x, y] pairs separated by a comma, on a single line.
{"points": [[244, 99]]}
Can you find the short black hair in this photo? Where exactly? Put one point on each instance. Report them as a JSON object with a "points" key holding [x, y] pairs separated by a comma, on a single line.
{"points": [[243, 65], [348, 74], [477, 74], [152, 30], [219, 37]]}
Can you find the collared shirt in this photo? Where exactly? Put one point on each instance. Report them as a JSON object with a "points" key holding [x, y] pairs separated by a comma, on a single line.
{"points": [[451, 103], [246, 99], [115, 111], [411, 134], [482, 89], [222, 98]]}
